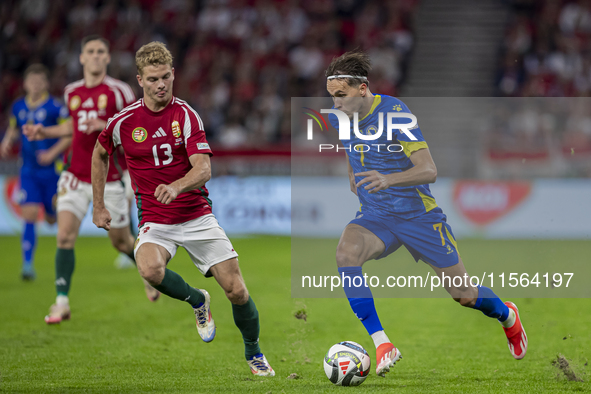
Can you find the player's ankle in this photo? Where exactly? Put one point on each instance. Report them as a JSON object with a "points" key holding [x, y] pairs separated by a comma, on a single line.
{"points": [[379, 338], [62, 299], [510, 321]]}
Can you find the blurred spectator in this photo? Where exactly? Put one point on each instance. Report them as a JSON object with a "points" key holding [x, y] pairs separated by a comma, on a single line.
{"points": [[236, 61], [546, 53], [546, 49]]}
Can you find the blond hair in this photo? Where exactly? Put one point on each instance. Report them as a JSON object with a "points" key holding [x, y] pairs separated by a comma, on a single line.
{"points": [[152, 54]]}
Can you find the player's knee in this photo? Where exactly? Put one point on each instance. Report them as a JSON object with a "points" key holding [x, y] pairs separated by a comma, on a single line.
{"points": [[237, 293], [153, 274], [30, 217], [65, 239], [346, 257], [468, 302], [50, 219]]}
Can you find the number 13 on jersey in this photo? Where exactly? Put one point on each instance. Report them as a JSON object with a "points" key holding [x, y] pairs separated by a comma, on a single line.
{"points": [[166, 149]]}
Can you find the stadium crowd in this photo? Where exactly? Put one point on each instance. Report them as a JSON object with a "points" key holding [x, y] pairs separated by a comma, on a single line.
{"points": [[546, 52], [237, 61]]}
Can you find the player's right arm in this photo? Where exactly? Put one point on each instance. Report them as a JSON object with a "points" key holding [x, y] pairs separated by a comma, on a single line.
{"points": [[351, 175], [194, 179], [198, 152], [9, 137], [100, 168], [39, 132]]}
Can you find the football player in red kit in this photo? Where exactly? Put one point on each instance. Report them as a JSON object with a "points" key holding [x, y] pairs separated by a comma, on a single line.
{"points": [[169, 163], [91, 101]]}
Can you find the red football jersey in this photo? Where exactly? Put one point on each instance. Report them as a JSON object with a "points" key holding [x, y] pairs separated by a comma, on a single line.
{"points": [[157, 148], [102, 101]]}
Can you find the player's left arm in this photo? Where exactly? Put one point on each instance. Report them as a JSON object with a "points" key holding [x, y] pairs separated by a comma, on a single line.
{"points": [[194, 179], [423, 172]]}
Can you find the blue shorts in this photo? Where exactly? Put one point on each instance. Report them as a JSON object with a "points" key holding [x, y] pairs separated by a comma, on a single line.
{"points": [[39, 188], [427, 237]]}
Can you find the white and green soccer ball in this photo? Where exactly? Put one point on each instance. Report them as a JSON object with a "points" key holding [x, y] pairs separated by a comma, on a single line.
{"points": [[347, 364]]}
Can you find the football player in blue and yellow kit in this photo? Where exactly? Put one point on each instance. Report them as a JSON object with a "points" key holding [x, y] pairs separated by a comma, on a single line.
{"points": [[38, 173], [397, 208]]}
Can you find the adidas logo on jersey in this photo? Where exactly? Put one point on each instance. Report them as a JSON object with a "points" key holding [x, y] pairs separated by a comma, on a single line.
{"points": [[159, 133], [88, 103]]}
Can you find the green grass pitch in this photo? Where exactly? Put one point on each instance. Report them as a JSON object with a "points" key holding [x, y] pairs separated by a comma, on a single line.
{"points": [[117, 341]]}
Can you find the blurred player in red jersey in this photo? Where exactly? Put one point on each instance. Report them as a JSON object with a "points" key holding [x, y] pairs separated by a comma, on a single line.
{"points": [[91, 101], [169, 164]]}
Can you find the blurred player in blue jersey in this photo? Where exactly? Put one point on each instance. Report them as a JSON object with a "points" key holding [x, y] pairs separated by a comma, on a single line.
{"points": [[38, 174], [397, 208]]}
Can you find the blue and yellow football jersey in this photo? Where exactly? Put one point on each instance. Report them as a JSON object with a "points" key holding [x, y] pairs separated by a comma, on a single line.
{"points": [[49, 113], [405, 202]]}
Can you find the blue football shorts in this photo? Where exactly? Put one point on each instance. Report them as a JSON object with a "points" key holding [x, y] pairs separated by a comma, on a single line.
{"points": [[427, 237], [39, 188]]}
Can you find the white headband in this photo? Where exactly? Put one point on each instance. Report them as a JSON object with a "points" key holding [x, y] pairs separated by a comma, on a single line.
{"points": [[347, 76]]}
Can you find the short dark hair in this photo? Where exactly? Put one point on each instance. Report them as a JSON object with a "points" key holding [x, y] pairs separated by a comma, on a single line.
{"points": [[36, 68], [354, 62], [95, 37]]}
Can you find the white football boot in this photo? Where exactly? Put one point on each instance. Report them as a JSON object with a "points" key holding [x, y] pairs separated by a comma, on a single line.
{"points": [[205, 323], [386, 356], [259, 366]]}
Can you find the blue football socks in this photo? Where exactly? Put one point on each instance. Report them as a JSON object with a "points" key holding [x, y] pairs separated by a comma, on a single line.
{"points": [[28, 244], [360, 298], [491, 305]]}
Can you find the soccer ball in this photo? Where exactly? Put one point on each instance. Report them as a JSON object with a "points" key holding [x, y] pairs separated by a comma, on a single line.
{"points": [[347, 364]]}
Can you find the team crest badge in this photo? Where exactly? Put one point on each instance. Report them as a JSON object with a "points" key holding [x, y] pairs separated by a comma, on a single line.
{"points": [[74, 103], [102, 101], [371, 130], [139, 134], [176, 129], [40, 115]]}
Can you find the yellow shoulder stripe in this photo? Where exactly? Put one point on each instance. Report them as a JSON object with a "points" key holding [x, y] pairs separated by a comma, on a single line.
{"points": [[412, 146], [12, 121], [377, 99], [428, 202]]}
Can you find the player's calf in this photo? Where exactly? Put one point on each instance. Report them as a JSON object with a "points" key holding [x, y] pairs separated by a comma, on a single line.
{"points": [[228, 275], [246, 315]]}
